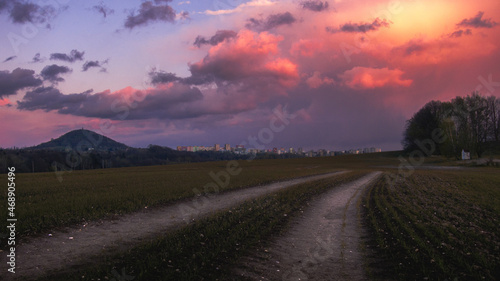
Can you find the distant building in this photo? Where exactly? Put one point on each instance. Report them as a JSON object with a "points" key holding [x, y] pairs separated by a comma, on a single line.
{"points": [[465, 154], [217, 147], [227, 147], [240, 149], [353, 151]]}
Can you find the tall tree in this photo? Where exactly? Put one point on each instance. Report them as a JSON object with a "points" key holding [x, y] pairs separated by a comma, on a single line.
{"points": [[493, 105], [478, 112], [467, 123], [421, 126]]}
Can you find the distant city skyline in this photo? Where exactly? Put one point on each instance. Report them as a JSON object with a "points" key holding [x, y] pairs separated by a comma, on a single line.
{"points": [[279, 150], [290, 73]]}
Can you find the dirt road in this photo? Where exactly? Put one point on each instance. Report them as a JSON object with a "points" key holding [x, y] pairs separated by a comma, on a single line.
{"points": [[74, 246], [322, 244]]}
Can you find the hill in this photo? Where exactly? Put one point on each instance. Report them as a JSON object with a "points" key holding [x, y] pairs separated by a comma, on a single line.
{"points": [[82, 140]]}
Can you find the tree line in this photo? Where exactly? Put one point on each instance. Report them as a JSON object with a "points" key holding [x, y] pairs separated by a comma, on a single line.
{"points": [[470, 123], [47, 160]]}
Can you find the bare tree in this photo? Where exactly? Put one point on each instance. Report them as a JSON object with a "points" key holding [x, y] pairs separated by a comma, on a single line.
{"points": [[494, 118]]}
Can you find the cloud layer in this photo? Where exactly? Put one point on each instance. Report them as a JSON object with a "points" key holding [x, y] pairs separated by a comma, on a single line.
{"points": [[315, 5], [11, 82], [163, 102], [351, 71], [73, 56], [272, 21], [371, 78], [219, 36], [53, 73], [21, 12], [478, 22], [360, 27], [149, 12]]}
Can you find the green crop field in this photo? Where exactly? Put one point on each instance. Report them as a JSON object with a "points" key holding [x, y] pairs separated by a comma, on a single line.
{"points": [[43, 202], [432, 225], [436, 225], [207, 249]]}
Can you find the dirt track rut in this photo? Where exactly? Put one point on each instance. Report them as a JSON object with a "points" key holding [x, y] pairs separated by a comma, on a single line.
{"points": [[322, 244]]}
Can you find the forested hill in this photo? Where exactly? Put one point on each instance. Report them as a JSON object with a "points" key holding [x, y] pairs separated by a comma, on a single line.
{"points": [[82, 140]]}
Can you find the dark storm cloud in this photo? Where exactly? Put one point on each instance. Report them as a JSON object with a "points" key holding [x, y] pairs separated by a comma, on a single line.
{"points": [[24, 11], [102, 9], [94, 63], [271, 21], [219, 36], [161, 103], [11, 82], [418, 47], [72, 57], [50, 98], [315, 6], [161, 77], [460, 33], [3, 5], [197, 77], [149, 12], [90, 64], [52, 72], [478, 22], [359, 27], [10, 58]]}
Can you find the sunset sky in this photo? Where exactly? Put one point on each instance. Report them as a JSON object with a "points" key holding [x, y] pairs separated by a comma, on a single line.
{"points": [[172, 73]]}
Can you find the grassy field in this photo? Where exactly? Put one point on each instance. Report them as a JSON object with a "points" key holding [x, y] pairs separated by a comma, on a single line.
{"points": [[43, 202], [207, 249], [436, 225]]}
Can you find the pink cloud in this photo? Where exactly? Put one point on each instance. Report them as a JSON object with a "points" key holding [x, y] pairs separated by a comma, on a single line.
{"points": [[4, 102], [316, 80], [249, 55], [306, 47], [369, 78]]}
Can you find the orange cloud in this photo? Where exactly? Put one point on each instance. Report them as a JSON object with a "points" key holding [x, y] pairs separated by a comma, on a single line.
{"points": [[248, 43], [285, 70], [370, 78], [249, 55]]}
